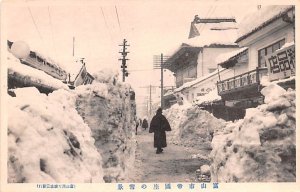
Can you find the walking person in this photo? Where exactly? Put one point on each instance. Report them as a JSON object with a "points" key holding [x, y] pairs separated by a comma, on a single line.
{"points": [[136, 125], [159, 125], [145, 124]]}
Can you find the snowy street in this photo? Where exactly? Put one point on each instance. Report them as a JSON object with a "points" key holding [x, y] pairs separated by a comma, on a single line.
{"points": [[173, 165], [128, 93]]}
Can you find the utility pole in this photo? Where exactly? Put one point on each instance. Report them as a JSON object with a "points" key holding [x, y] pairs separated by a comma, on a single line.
{"points": [[161, 81], [124, 54], [160, 63], [150, 101], [73, 46], [150, 98]]}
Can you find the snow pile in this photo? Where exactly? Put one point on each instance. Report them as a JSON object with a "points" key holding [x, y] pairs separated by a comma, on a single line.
{"points": [[48, 141], [107, 109], [260, 147], [28, 74], [83, 135], [191, 126]]}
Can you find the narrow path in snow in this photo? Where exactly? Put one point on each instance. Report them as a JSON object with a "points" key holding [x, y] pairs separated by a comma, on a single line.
{"points": [[173, 165]]}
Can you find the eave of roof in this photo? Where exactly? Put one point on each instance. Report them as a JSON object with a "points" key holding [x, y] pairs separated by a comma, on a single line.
{"points": [[232, 60], [170, 61]]}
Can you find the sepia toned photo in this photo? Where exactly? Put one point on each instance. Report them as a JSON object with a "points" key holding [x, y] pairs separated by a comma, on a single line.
{"points": [[147, 92]]}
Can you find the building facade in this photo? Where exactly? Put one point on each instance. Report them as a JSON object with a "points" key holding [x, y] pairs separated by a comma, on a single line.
{"points": [[195, 61], [267, 47]]}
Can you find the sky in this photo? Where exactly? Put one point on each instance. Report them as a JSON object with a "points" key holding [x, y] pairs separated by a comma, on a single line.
{"points": [[150, 27]]}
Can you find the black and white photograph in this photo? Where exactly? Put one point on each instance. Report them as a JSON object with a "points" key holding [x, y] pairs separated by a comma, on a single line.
{"points": [[148, 95]]}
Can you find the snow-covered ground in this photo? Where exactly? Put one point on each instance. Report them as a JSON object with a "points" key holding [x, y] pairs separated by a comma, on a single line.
{"points": [[83, 135], [261, 147]]}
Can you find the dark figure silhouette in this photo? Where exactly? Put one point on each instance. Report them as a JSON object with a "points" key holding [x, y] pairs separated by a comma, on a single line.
{"points": [[145, 124], [159, 125]]}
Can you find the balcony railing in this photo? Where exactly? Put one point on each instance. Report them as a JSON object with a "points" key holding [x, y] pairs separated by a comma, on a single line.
{"points": [[243, 80]]}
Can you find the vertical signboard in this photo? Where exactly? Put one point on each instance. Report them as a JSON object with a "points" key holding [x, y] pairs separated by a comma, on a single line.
{"points": [[281, 63]]}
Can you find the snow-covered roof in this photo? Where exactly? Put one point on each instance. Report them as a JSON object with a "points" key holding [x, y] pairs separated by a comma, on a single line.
{"points": [[35, 75], [198, 80], [227, 56], [207, 98], [258, 19], [74, 70], [223, 33]]}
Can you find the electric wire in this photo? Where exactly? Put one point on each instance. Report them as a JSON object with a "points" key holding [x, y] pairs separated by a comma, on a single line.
{"points": [[52, 36], [118, 17], [35, 25], [106, 25]]}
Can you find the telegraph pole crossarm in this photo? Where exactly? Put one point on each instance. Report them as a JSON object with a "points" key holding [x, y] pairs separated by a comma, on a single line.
{"points": [[160, 62], [124, 59]]}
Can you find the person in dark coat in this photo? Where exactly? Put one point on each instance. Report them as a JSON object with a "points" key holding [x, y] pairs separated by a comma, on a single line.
{"points": [[145, 124], [159, 125], [136, 125]]}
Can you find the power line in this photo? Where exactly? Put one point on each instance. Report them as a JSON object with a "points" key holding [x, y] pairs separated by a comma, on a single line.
{"points": [[51, 26], [209, 13], [140, 70], [35, 24], [118, 17], [106, 24]]}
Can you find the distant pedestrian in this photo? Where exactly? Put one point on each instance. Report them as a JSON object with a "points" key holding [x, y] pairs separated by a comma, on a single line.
{"points": [[145, 124], [136, 125], [159, 125]]}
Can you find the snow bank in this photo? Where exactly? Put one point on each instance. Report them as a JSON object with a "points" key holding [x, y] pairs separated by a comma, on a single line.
{"points": [[107, 109], [260, 147], [191, 126], [48, 141], [83, 135]]}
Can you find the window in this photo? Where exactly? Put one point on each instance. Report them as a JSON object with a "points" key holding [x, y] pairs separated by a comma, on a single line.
{"points": [[268, 50]]}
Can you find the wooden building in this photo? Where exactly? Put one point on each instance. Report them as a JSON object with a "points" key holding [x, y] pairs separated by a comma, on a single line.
{"points": [[267, 51]]}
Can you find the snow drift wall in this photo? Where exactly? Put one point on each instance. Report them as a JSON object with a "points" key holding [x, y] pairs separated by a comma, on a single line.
{"points": [[83, 135], [191, 126], [261, 147], [48, 141], [111, 119]]}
